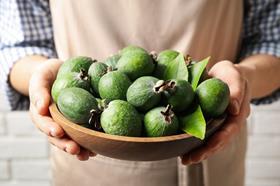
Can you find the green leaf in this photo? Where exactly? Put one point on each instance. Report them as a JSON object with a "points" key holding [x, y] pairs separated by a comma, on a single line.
{"points": [[177, 69], [196, 70], [194, 123]]}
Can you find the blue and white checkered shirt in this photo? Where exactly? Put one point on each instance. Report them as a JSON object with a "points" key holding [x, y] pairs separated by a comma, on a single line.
{"points": [[26, 29]]}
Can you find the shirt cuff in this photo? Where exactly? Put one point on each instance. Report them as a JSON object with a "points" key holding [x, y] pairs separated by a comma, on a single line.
{"points": [[269, 48], [8, 57]]}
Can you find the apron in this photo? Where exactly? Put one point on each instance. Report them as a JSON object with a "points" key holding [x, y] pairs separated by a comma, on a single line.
{"points": [[99, 28]]}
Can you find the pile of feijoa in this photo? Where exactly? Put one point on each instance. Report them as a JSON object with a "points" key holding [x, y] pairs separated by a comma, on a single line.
{"points": [[136, 93]]}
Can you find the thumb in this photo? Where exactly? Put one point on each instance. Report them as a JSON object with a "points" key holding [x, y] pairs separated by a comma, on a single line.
{"points": [[237, 88], [39, 92], [39, 89], [227, 72]]}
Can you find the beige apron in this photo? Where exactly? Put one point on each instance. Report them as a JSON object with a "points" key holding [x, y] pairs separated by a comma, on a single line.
{"points": [[98, 28]]}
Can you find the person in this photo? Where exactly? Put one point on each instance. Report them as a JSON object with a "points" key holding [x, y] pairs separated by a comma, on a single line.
{"points": [[242, 37]]}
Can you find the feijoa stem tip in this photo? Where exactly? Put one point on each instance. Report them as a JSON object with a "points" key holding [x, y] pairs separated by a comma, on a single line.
{"points": [[161, 86], [109, 69], [83, 74], [168, 114], [94, 119], [154, 56]]}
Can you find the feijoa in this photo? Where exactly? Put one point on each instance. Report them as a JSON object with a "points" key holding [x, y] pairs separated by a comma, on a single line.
{"points": [[160, 121], [113, 85], [96, 71], [144, 92], [132, 48], [71, 79], [75, 64], [121, 118], [135, 62], [213, 96], [163, 59], [112, 61], [77, 105], [179, 94]]}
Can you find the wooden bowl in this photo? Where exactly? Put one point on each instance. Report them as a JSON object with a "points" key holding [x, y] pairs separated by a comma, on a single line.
{"points": [[132, 148]]}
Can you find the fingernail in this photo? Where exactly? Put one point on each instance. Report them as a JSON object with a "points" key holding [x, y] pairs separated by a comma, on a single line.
{"points": [[235, 107], [53, 132], [67, 148]]}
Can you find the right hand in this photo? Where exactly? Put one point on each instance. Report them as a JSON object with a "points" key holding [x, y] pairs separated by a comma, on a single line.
{"points": [[39, 92]]}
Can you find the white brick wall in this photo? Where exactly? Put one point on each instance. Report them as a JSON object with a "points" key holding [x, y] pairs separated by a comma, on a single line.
{"points": [[24, 150], [37, 169], [263, 157], [4, 170]]}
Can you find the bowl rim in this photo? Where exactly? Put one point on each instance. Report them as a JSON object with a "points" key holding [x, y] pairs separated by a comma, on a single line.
{"points": [[59, 118]]}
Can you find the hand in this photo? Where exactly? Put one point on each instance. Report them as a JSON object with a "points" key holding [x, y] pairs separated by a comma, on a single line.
{"points": [[238, 109], [39, 93]]}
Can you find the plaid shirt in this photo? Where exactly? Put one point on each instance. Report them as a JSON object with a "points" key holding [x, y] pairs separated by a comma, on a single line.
{"points": [[26, 29]]}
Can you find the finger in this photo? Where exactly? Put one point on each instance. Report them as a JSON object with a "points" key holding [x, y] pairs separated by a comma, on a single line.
{"points": [[66, 145], [39, 92], [46, 124], [246, 103], [83, 155], [40, 84], [228, 73], [236, 96], [217, 142], [92, 154], [237, 93]]}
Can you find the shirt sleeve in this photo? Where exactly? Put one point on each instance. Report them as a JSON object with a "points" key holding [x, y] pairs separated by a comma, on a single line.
{"points": [[25, 29], [261, 34]]}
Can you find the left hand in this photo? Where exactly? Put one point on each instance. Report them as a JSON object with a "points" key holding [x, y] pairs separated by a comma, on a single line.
{"points": [[238, 109]]}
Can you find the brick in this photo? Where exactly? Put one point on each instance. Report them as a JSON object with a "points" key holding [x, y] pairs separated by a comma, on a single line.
{"points": [[263, 168], [263, 182], [19, 123], [37, 169], [23, 147], [2, 125], [4, 170], [263, 146], [267, 122], [25, 183]]}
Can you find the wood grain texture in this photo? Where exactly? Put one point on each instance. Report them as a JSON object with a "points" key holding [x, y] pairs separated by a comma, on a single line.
{"points": [[132, 148]]}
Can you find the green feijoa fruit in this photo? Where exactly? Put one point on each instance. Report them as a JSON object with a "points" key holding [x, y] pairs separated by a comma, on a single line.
{"points": [[77, 105], [112, 61], [163, 59], [160, 121], [75, 64], [179, 94], [96, 71], [132, 48], [135, 63], [121, 118], [113, 85], [72, 79], [144, 92], [213, 96]]}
